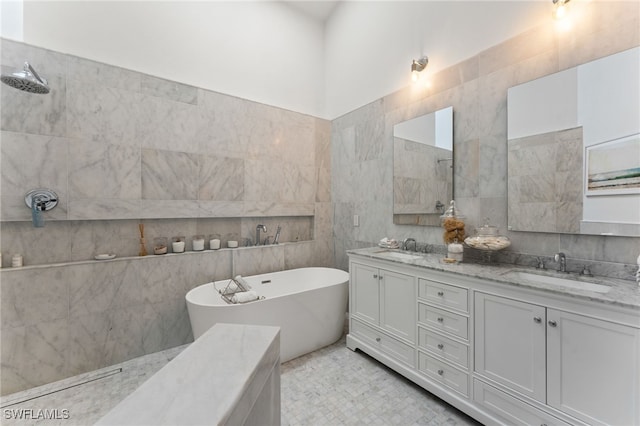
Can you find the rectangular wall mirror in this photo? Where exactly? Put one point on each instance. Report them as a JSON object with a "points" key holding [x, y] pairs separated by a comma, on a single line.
{"points": [[574, 149], [423, 168]]}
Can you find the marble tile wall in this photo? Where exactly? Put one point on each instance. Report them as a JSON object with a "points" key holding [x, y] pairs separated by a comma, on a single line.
{"points": [[122, 148], [117, 144], [65, 319], [362, 152], [545, 182]]}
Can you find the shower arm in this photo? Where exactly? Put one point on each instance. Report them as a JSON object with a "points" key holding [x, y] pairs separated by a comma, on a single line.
{"points": [[29, 68]]}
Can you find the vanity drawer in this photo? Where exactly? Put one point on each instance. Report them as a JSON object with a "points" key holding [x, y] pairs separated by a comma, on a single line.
{"points": [[443, 347], [509, 409], [445, 321], [448, 296], [384, 343], [443, 373]]}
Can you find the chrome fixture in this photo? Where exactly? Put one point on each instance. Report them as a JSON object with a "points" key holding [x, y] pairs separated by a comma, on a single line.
{"points": [[406, 241], [439, 207], [276, 239], [40, 200], [417, 66], [560, 8], [26, 80], [540, 263], [258, 229], [562, 259]]}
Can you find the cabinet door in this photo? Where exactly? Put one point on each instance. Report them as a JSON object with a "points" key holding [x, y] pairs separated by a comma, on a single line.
{"points": [[398, 309], [510, 343], [365, 295], [593, 369]]}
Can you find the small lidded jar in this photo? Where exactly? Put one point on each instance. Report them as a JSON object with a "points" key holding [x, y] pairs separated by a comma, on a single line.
{"points": [[160, 245], [198, 242], [177, 244], [453, 223]]}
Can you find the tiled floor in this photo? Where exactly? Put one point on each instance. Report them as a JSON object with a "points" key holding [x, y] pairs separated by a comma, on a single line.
{"points": [[332, 386]]}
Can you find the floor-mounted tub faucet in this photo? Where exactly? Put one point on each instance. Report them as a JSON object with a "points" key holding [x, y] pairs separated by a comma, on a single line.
{"points": [[259, 228]]}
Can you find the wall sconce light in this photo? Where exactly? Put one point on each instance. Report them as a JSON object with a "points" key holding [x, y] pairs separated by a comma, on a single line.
{"points": [[560, 9], [417, 67]]}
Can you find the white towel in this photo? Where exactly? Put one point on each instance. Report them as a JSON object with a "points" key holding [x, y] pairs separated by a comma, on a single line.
{"points": [[244, 297]]}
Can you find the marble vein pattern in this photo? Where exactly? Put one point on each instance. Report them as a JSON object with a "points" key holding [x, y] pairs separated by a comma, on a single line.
{"points": [[545, 182], [230, 364], [31, 161], [99, 170], [331, 386], [168, 175], [131, 137]]}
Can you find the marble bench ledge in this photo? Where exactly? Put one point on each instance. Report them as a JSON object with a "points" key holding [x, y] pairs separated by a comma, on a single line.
{"points": [[230, 375]]}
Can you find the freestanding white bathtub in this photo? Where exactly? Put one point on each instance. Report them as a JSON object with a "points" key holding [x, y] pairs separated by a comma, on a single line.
{"points": [[308, 304]]}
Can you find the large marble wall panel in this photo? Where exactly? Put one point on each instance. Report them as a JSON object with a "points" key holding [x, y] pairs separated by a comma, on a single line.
{"points": [[221, 178], [31, 161], [99, 170], [168, 175], [102, 113]]}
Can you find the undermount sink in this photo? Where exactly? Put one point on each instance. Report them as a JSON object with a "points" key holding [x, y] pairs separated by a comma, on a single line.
{"points": [[400, 255], [559, 281]]}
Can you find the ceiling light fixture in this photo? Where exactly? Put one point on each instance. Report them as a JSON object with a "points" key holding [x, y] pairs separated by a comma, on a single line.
{"points": [[417, 67], [560, 9]]}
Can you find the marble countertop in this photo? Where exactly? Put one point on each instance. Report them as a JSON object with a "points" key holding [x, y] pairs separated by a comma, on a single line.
{"points": [[622, 293]]}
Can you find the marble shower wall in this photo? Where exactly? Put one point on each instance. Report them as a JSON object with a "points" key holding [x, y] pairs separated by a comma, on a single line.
{"points": [[119, 146], [122, 148], [362, 156]]}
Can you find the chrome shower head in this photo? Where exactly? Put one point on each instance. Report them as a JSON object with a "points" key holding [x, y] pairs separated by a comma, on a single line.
{"points": [[27, 80]]}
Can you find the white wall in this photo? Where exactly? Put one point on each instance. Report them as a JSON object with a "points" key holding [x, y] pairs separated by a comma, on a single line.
{"points": [[268, 52], [370, 44], [258, 50]]}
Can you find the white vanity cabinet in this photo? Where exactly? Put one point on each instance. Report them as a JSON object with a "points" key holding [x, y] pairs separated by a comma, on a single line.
{"points": [[381, 310], [503, 352], [585, 367], [443, 333]]}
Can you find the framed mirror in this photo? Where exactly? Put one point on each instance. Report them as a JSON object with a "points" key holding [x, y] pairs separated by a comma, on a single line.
{"points": [[574, 149], [423, 168]]}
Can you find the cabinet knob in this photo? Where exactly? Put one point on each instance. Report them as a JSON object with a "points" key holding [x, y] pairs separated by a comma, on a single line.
{"points": [[537, 320], [379, 277], [440, 319], [441, 372], [441, 293], [552, 323], [377, 339], [440, 346], [375, 275]]}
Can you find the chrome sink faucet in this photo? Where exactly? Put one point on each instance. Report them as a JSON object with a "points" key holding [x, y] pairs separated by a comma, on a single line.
{"points": [[406, 242], [562, 259], [258, 228]]}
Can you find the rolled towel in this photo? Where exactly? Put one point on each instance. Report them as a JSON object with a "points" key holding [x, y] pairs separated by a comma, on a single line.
{"points": [[244, 297], [230, 288], [242, 282]]}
